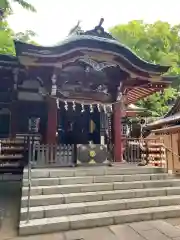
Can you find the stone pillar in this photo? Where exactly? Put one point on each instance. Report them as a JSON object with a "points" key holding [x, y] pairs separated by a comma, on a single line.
{"points": [[117, 132], [52, 121]]}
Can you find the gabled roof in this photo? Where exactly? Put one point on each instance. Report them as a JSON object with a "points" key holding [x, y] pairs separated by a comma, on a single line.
{"points": [[99, 50], [97, 44]]}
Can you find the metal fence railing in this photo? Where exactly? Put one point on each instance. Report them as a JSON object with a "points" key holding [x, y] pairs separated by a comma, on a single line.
{"points": [[40, 155]]}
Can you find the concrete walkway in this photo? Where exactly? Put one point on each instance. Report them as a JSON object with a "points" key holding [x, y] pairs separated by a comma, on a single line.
{"points": [[157, 230], [10, 194]]}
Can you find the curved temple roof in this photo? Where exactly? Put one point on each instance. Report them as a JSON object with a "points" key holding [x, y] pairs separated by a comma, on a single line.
{"points": [[98, 50], [97, 44]]}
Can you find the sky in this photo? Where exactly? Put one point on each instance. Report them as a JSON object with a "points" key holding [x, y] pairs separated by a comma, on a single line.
{"points": [[55, 18]]}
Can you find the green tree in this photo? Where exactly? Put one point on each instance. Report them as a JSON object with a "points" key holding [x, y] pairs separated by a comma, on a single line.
{"points": [[157, 43], [6, 39], [26, 37], [159, 103], [5, 6], [7, 36]]}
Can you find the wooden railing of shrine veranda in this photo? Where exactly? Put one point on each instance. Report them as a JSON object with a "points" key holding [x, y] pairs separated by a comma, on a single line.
{"points": [[149, 151], [160, 148], [170, 138]]}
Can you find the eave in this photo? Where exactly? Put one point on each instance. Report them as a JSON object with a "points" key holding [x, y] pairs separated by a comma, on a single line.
{"points": [[97, 48], [166, 130], [164, 121], [133, 94], [9, 62]]}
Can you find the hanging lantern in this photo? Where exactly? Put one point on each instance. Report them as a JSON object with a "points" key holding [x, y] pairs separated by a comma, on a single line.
{"points": [[54, 90], [66, 105], [57, 103], [104, 107], [91, 108], [82, 108], [54, 87], [111, 108], [74, 106], [53, 79], [98, 107]]}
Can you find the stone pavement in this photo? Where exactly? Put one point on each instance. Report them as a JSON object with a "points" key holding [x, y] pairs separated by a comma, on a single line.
{"points": [[154, 230], [159, 229], [10, 193]]}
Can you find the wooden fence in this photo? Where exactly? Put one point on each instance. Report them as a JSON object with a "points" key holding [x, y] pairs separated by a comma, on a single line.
{"points": [[151, 151], [53, 155]]}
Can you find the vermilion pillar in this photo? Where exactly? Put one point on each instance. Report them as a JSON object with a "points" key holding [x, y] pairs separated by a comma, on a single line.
{"points": [[52, 121], [117, 132]]}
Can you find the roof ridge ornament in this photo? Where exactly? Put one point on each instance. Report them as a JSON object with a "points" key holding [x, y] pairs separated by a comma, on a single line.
{"points": [[101, 22], [76, 30], [98, 31]]}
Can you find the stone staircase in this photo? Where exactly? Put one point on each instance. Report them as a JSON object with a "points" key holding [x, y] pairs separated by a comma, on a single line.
{"points": [[76, 198]]}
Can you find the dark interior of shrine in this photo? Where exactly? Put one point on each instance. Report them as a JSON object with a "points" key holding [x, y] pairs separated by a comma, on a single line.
{"points": [[78, 126], [74, 126], [26, 110], [5, 118], [77, 81]]}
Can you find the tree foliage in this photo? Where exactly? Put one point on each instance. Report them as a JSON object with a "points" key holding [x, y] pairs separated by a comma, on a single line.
{"points": [[26, 37], [6, 8], [159, 103], [6, 39], [7, 36], [157, 43]]}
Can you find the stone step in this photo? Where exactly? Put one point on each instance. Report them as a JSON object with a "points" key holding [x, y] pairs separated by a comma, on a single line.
{"points": [[99, 206], [47, 225], [96, 179], [92, 171], [94, 187], [44, 200]]}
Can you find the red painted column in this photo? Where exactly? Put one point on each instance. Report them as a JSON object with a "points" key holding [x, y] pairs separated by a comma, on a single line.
{"points": [[52, 121], [117, 132]]}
